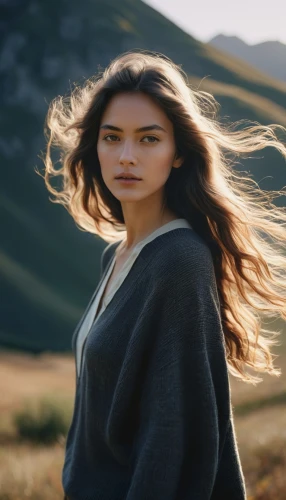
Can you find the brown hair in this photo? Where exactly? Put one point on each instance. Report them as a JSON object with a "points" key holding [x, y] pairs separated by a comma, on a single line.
{"points": [[229, 211]]}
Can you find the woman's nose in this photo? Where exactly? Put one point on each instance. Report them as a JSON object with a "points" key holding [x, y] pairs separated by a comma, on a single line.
{"points": [[128, 153]]}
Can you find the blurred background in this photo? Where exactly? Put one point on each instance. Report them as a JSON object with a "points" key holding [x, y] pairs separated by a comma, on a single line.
{"points": [[49, 268]]}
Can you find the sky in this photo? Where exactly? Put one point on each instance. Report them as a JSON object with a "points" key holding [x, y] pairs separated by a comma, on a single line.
{"points": [[253, 21]]}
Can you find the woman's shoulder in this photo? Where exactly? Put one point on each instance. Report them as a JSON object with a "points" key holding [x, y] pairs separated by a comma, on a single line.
{"points": [[182, 251], [182, 272]]}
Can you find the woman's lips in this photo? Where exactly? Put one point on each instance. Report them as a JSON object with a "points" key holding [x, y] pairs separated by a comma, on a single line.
{"points": [[128, 181]]}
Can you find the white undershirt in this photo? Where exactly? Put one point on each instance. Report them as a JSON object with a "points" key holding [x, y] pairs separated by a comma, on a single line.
{"points": [[93, 314]]}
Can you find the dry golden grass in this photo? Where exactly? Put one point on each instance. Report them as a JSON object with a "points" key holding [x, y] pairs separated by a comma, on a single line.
{"points": [[34, 472], [28, 472], [28, 377]]}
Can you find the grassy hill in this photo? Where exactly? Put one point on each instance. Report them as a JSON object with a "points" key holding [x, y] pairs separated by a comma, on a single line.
{"points": [[48, 268]]}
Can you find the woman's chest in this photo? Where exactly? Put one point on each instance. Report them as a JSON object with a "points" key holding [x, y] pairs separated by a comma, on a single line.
{"points": [[113, 281]]}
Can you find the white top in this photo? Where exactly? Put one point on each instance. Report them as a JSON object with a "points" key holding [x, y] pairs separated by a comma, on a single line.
{"points": [[93, 314]]}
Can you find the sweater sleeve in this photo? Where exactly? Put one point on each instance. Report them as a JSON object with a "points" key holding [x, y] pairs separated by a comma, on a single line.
{"points": [[184, 404]]}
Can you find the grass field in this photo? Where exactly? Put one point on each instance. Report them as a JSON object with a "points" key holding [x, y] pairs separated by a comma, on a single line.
{"points": [[34, 472]]}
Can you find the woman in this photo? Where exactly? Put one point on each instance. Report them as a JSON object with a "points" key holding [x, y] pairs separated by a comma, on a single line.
{"points": [[175, 307]]}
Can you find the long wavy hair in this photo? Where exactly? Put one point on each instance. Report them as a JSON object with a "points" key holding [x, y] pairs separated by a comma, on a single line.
{"points": [[243, 229]]}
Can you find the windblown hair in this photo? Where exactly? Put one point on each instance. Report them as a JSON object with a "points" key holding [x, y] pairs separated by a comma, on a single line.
{"points": [[242, 228]]}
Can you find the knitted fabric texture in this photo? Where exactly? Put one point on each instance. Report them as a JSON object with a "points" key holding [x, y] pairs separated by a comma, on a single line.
{"points": [[152, 413]]}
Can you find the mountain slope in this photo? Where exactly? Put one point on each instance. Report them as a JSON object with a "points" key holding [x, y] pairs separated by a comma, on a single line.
{"points": [[269, 56]]}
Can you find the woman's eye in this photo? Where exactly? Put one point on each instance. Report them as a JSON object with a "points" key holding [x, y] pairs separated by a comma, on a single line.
{"points": [[151, 137], [106, 138], [110, 135]]}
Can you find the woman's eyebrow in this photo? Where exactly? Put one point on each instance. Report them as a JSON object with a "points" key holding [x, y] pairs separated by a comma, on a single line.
{"points": [[141, 129]]}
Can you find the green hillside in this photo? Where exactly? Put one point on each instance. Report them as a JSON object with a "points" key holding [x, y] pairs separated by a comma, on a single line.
{"points": [[48, 267]]}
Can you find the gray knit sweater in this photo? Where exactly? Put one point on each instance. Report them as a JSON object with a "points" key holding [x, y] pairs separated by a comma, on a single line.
{"points": [[152, 415]]}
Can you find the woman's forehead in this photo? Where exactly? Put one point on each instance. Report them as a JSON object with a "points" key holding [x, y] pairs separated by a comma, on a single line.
{"points": [[137, 109]]}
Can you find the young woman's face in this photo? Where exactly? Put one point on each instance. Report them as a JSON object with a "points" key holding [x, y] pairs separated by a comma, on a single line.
{"points": [[148, 154]]}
